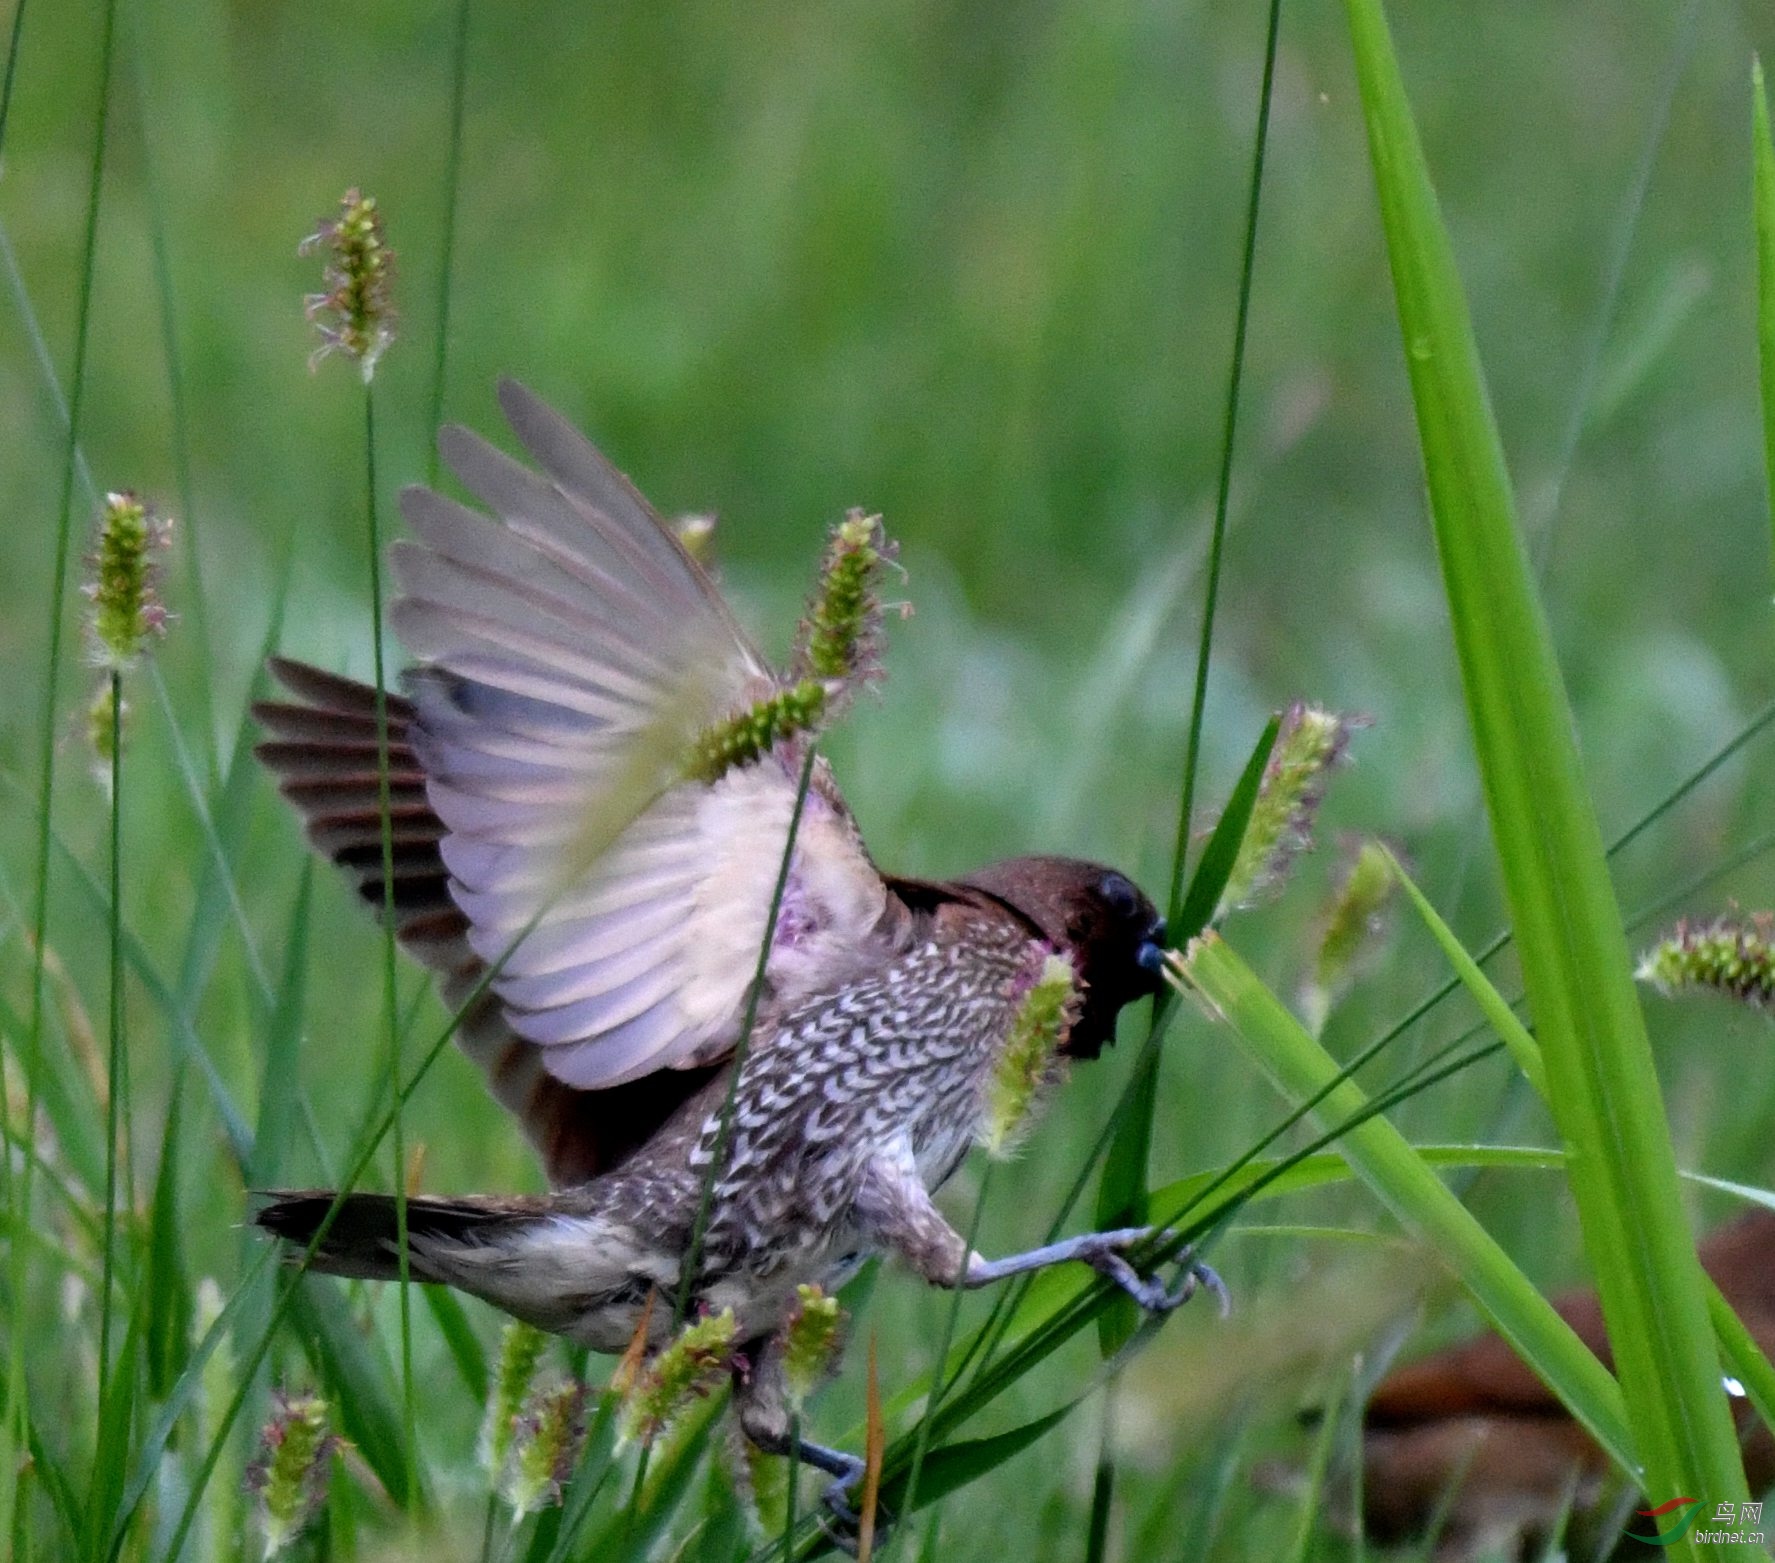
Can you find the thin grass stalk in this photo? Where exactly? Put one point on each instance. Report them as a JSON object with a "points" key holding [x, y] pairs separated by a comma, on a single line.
{"points": [[1103, 1481], [12, 49], [447, 243], [391, 1020], [1122, 1193], [15, 1378], [794, 1476], [723, 1133], [1603, 1086], [1224, 480], [114, 1084], [1763, 166]]}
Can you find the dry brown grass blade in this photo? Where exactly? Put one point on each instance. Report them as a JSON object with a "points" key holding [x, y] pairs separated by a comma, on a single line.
{"points": [[874, 1446], [628, 1368]]}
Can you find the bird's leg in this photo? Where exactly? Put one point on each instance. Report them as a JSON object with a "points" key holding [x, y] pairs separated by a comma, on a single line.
{"points": [[763, 1409], [895, 1210]]}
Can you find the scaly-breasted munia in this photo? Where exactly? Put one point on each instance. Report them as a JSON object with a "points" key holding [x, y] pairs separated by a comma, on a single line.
{"points": [[548, 637], [1468, 1446]]}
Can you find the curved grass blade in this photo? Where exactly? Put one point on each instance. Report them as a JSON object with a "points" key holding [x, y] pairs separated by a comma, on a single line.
{"points": [[1763, 158], [1603, 1088], [1404, 1182]]}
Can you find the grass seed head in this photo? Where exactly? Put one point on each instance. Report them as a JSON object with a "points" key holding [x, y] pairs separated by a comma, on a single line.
{"points": [[520, 1352], [296, 1451], [811, 1343], [1311, 742], [1028, 1061], [694, 1365], [1733, 955], [354, 314], [123, 583], [546, 1438]]}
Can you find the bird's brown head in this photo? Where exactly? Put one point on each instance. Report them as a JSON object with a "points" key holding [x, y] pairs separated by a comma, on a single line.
{"points": [[1115, 936]]}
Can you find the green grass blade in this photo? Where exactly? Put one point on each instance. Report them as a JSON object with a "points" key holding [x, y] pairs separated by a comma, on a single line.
{"points": [[356, 1380], [168, 1283], [280, 1084], [955, 1465], [1737, 1345], [1405, 1183], [1492, 1004], [111, 1460], [1763, 156], [16, 1411], [1603, 1087], [459, 1335]]}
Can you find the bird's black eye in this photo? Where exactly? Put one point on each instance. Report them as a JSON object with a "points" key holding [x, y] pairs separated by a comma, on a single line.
{"points": [[1119, 895]]}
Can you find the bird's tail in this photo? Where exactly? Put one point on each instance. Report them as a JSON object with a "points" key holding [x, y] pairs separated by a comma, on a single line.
{"points": [[363, 1240]]}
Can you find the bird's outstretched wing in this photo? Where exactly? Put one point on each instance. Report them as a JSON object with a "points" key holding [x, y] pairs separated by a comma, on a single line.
{"points": [[556, 638]]}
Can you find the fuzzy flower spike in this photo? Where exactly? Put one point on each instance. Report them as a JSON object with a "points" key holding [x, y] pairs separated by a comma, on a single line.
{"points": [[520, 1353], [838, 650], [123, 589], [1733, 955], [1028, 1061], [546, 1440], [290, 1476], [1350, 930], [1309, 745], [355, 314], [694, 1365], [811, 1341]]}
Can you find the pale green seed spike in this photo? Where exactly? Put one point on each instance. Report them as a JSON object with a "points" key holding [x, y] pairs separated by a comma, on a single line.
{"points": [[126, 612], [694, 1365], [840, 638], [1350, 932], [520, 1351], [1027, 1061], [1311, 742], [746, 738], [810, 1343], [354, 314], [106, 729], [1730, 955], [290, 1476], [546, 1439]]}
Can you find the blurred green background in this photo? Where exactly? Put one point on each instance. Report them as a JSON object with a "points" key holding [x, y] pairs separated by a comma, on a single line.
{"points": [[975, 268]]}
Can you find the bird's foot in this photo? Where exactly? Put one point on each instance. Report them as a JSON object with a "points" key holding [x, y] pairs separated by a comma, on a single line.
{"points": [[1105, 1252], [842, 1522]]}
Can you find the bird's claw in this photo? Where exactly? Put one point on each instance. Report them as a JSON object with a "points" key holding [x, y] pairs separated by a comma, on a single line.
{"points": [[1149, 1291], [842, 1522]]}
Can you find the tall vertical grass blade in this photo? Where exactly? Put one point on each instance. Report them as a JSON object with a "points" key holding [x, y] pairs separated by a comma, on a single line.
{"points": [[168, 1282], [16, 1411], [1763, 156], [1603, 1087], [447, 244], [1405, 1183]]}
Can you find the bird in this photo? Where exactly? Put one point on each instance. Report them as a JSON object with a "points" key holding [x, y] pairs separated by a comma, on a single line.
{"points": [[1468, 1447], [550, 632]]}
